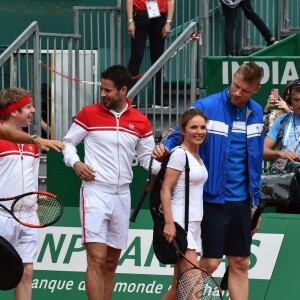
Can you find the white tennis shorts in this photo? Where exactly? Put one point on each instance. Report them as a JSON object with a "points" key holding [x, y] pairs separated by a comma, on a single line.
{"points": [[105, 217], [23, 239]]}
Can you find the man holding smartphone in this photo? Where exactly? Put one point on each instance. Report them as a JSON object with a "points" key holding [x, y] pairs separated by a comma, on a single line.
{"points": [[274, 108], [289, 147], [282, 144]]}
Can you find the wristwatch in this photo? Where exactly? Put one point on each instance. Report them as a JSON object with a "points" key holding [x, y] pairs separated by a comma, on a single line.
{"points": [[32, 138], [252, 205], [130, 21], [169, 22]]}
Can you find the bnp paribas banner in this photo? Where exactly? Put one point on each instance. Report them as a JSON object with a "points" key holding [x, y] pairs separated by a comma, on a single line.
{"points": [[59, 271], [278, 72]]}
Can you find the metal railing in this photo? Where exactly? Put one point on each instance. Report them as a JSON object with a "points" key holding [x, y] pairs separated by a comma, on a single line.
{"points": [[62, 70], [29, 63], [58, 65], [281, 17], [100, 30], [19, 65], [178, 66], [289, 20]]}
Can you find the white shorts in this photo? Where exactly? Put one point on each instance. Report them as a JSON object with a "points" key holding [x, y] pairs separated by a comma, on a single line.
{"points": [[22, 238], [105, 217], [194, 236]]}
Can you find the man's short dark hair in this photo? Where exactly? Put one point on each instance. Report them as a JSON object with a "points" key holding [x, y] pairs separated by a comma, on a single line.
{"points": [[119, 75]]}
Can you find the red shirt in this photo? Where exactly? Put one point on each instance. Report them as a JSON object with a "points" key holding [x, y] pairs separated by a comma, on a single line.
{"points": [[139, 5]]}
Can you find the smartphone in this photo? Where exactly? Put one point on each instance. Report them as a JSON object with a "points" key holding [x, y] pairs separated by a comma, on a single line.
{"points": [[274, 92]]}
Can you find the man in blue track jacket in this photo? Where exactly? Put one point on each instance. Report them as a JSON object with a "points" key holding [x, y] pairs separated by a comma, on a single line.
{"points": [[233, 156]]}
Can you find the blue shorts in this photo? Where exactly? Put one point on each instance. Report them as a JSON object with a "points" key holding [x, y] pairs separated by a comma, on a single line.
{"points": [[226, 229]]}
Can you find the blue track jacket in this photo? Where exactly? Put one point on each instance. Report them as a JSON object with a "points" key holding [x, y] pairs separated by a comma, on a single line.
{"points": [[214, 152]]}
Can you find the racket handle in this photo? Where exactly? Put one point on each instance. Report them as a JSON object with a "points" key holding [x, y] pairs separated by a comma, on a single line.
{"points": [[162, 137], [224, 282], [138, 207], [257, 214], [175, 245]]}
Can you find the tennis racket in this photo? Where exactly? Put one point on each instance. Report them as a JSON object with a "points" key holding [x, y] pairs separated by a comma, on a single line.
{"points": [[149, 182], [254, 220], [35, 209], [195, 283]]}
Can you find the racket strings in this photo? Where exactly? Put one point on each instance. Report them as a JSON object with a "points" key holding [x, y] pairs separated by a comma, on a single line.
{"points": [[195, 284], [38, 210], [48, 209]]}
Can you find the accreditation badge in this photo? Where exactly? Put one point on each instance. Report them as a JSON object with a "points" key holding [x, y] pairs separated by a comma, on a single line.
{"points": [[152, 9]]}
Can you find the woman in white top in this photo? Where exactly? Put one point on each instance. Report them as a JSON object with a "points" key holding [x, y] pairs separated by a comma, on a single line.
{"points": [[193, 129]]}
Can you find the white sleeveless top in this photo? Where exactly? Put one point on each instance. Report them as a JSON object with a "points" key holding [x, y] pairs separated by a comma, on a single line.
{"points": [[198, 177]]}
